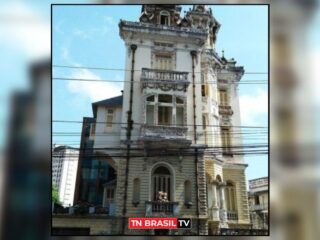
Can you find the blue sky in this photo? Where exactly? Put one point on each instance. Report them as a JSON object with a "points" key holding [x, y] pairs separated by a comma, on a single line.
{"points": [[89, 36]]}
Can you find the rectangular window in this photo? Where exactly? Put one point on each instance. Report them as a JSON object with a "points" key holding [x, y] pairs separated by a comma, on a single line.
{"points": [[109, 118], [223, 98], [204, 122], [92, 130], [150, 114], [257, 200], [165, 115], [164, 20], [179, 116], [204, 89], [226, 140], [163, 62]]}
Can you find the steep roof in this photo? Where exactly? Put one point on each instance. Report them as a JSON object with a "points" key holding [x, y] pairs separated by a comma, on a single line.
{"points": [[112, 102]]}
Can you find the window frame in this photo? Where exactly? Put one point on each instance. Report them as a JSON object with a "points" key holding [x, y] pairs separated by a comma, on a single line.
{"points": [[174, 105], [92, 131], [165, 14], [223, 97], [108, 124], [157, 182]]}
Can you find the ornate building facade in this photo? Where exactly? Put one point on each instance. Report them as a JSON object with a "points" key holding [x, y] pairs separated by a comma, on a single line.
{"points": [[259, 202], [171, 131]]}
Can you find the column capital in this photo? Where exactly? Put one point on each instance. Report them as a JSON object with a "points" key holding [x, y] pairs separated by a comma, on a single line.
{"points": [[222, 184], [133, 47], [218, 183]]}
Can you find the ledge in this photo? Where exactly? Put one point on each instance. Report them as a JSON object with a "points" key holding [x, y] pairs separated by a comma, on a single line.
{"points": [[129, 26]]}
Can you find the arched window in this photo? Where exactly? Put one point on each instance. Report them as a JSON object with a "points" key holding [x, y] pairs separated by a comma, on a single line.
{"points": [[136, 191], [187, 192], [230, 196], [161, 181], [164, 18]]}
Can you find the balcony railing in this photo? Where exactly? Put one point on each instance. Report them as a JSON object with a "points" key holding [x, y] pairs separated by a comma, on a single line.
{"points": [[232, 216], [157, 208], [164, 79], [259, 207], [84, 210], [163, 132], [225, 110]]}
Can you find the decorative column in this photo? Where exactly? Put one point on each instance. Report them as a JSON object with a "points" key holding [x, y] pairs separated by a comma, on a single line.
{"points": [[223, 211], [156, 110], [215, 208], [174, 111]]}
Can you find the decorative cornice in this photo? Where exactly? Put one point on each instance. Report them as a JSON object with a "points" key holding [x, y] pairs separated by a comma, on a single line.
{"points": [[139, 27]]}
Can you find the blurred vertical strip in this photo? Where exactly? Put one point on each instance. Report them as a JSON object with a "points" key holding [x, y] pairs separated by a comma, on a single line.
{"points": [[293, 165], [26, 195]]}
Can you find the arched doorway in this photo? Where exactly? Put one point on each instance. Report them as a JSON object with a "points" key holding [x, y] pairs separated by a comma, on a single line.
{"points": [[161, 179]]}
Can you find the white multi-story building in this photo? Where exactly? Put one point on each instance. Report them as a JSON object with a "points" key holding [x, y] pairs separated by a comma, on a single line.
{"points": [[64, 172], [171, 132]]}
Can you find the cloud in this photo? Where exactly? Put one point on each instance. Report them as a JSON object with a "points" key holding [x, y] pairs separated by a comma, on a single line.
{"points": [[109, 20], [253, 107], [24, 29], [91, 33], [95, 91], [80, 33], [65, 54]]}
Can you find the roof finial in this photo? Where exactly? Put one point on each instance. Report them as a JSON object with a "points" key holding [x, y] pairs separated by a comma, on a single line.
{"points": [[223, 53]]}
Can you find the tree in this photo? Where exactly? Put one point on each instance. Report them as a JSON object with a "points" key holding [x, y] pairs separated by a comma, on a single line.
{"points": [[55, 195]]}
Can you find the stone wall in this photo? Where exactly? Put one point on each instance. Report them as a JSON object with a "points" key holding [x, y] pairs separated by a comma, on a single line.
{"points": [[98, 225]]}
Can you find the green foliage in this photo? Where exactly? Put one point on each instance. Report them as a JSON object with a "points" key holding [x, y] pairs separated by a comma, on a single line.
{"points": [[55, 195], [81, 208]]}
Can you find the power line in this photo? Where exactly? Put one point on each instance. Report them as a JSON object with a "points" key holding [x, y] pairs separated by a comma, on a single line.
{"points": [[123, 81], [166, 155], [128, 70], [104, 122]]}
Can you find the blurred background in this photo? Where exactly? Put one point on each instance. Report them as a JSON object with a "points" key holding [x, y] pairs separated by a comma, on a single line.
{"points": [[25, 116]]}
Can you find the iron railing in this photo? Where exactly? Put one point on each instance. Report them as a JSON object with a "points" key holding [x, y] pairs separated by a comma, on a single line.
{"points": [[158, 208]]}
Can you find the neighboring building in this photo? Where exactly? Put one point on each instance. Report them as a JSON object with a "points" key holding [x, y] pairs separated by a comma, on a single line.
{"points": [[94, 172], [27, 158], [171, 131], [259, 202], [64, 172]]}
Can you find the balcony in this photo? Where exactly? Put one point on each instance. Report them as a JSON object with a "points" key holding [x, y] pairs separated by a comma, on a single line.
{"points": [[232, 216], [225, 110], [164, 135], [84, 210], [161, 209], [259, 207], [164, 80]]}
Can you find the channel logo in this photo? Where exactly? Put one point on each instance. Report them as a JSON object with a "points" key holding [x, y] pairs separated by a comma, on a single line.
{"points": [[159, 223]]}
